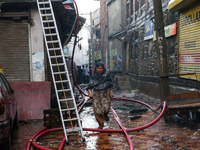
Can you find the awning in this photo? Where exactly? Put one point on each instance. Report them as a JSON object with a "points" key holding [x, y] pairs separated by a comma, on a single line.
{"points": [[175, 5]]}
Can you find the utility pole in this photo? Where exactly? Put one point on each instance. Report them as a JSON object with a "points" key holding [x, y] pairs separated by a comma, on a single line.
{"points": [[161, 50]]}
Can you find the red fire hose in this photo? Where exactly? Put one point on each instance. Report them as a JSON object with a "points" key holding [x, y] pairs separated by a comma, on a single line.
{"points": [[124, 129], [31, 139]]}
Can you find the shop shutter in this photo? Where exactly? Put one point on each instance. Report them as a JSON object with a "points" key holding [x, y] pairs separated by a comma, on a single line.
{"points": [[189, 43], [14, 50]]}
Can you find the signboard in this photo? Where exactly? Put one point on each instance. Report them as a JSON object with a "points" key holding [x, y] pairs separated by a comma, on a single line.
{"points": [[189, 43], [113, 59], [170, 30], [97, 54], [149, 29], [66, 51]]}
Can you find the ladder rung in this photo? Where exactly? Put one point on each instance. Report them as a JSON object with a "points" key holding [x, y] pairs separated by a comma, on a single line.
{"points": [[52, 34], [70, 119], [63, 72], [57, 56], [49, 27], [52, 49], [64, 90], [43, 2], [44, 15], [47, 21], [68, 109], [53, 41], [58, 64], [71, 130], [46, 8], [61, 81], [69, 99]]}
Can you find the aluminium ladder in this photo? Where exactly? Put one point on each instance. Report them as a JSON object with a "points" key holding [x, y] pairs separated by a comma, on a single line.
{"points": [[60, 76]]}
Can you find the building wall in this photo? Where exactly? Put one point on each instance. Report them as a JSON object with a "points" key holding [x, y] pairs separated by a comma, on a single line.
{"points": [[104, 32], [128, 18], [96, 17], [37, 47], [144, 59], [115, 17]]}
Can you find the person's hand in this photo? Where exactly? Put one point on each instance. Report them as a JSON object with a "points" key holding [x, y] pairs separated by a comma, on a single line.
{"points": [[90, 94], [112, 95]]}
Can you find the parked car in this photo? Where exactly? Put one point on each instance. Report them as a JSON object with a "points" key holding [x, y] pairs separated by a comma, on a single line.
{"points": [[8, 113]]}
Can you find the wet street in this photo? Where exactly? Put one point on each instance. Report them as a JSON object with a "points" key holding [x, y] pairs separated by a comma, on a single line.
{"points": [[160, 136]]}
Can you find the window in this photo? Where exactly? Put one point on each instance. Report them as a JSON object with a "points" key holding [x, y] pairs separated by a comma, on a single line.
{"points": [[143, 10], [136, 15], [142, 2], [131, 7], [128, 21], [137, 5], [127, 12], [150, 4]]}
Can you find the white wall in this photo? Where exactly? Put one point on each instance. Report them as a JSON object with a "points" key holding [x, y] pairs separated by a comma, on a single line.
{"points": [[37, 47]]}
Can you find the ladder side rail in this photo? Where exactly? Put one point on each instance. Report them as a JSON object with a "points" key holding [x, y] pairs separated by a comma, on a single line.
{"points": [[67, 74], [65, 66], [63, 124], [63, 58]]}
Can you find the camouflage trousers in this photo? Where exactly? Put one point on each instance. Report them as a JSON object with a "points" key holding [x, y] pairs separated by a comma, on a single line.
{"points": [[101, 105]]}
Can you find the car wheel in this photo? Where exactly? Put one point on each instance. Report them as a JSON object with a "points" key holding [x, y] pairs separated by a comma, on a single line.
{"points": [[7, 146]]}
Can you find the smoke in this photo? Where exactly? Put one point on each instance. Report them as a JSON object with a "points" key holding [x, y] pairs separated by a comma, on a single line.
{"points": [[81, 56]]}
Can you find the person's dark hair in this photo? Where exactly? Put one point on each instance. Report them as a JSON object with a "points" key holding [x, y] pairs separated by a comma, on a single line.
{"points": [[100, 64]]}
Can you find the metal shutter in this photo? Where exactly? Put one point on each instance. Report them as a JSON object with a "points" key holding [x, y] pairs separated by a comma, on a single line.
{"points": [[189, 42], [14, 50]]}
